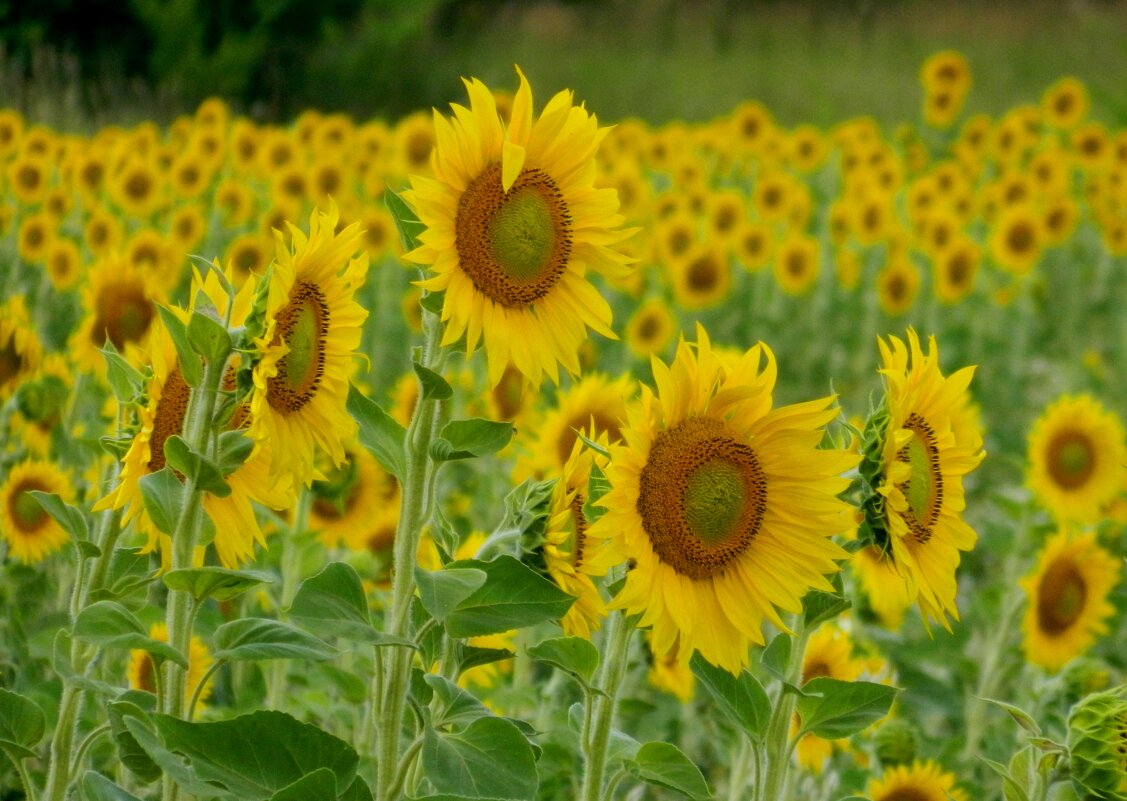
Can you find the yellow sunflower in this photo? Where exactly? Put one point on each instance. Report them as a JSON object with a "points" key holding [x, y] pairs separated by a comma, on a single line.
{"points": [[888, 595], [797, 263], [931, 440], [1068, 599], [20, 349], [143, 675], [829, 653], [921, 781], [723, 506], [650, 330], [356, 505], [703, 278], [670, 675], [313, 327], [120, 304], [1076, 458], [30, 533], [514, 221], [897, 286], [63, 263], [956, 269], [565, 543]]}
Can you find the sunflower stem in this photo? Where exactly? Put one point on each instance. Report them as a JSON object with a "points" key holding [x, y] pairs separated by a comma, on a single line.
{"points": [[414, 514], [774, 774], [599, 709]]}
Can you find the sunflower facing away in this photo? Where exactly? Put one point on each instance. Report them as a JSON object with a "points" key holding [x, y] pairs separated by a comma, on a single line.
{"points": [[313, 326], [1076, 458], [1068, 599], [29, 532], [514, 222], [723, 506], [931, 440]]}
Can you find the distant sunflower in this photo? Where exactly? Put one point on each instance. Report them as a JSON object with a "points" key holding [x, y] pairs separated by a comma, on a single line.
{"points": [[30, 533], [921, 781], [142, 671], [1068, 599], [753, 245], [930, 441], [829, 653], [797, 263], [313, 327], [703, 278], [650, 330], [20, 349], [121, 307], [63, 264], [897, 286], [723, 506], [37, 232], [956, 269], [102, 232], [887, 593], [1016, 239], [1076, 458], [514, 222], [356, 505]]}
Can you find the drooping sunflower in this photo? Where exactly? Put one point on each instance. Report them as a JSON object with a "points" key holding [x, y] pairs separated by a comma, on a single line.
{"points": [[313, 326], [723, 505], [1076, 458], [1068, 599], [921, 781], [930, 439], [514, 221], [30, 533], [142, 671]]}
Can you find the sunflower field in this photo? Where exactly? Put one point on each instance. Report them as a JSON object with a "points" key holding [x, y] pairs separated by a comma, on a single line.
{"points": [[501, 453]]}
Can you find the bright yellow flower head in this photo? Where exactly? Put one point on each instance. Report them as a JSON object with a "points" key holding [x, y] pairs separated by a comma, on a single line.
{"points": [[28, 531]]}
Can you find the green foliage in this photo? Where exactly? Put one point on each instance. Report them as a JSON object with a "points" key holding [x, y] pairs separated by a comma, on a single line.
{"points": [[188, 361], [465, 439], [124, 379], [379, 432], [96, 787], [163, 495], [70, 517], [219, 583], [196, 467], [833, 709], [251, 638], [208, 338], [435, 387], [22, 724], [574, 655], [111, 625], [665, 765], [140, 705], [512, 597], [406, 221], [441, 591], [488, 759], [741, 699]]}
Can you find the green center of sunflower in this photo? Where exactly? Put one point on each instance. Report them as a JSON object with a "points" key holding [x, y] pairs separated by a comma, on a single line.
{"points": [[924, 488], [123, 314], [1072, 459], [25, 511], [701, 496], [302, 325], [513, 245], [1062, 596]]}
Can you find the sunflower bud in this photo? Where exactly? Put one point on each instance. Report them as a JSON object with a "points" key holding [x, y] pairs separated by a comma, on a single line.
{"points": [[1097, 744], [1085, 676], [897, 743]]}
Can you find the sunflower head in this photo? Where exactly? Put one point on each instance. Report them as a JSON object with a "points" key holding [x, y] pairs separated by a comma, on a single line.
{"points": [[30, 533], [920, 781], [897, 742], [1097, 745]]}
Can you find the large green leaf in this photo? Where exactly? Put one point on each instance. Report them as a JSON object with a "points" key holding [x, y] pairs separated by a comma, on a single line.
{"points": [[842, 708], [434, 386], [251, 757], [22, 724], [320, 785], [663, 764], [163, 495], [195, 466], [187, 359], [254, 638], [490, 758], [208, 337], [96, 787], [574, 655], [219, 583], [442, 590], [465, 439], [741, 698], [111, 625], [333, 602], [514, 596], [380, 433], [456, 706], [71, 518], [139, 705]]}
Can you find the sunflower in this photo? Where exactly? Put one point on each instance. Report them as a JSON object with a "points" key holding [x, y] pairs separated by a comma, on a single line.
{"points": [[20, 349], [1076, 458], [37, 232], [27, 178], [249, 254], [102, 232], [670, 675], [703, 278], [186, 227], [1068, 599], [596, 404], [356, 504], [650, 329], [723, 506], [11, 132], [753, 245], [886, 592], [120, 304], [514, 221], [829, 653], [897, 286], [137, 188], [922, 781], [30, 533], [797, 262], [142, 673], [313, 327], [930, 441], [63, 264]]}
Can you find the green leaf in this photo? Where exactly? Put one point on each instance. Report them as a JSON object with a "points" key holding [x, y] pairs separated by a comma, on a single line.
{"points": [[111, 625], [465, 439], [129, 571], [163, 495], [1020, 716], [22, 724], [333, 602], [251, 757], [844, 708], [69, 517], [253, 638], [96, 787], [135, 704], [219, 583], [741, 698], [406, 220], [471, 656], [574, 655], [434, 386], [433, 301], [663, 764], [196, 466], [442, 590], [189, 362], [320, 785], [514, 596], [818, 606], [357, 791], [380, 433], [124, 379], [490, 758], [234, 449], [456, 706], [208, 337], [776, 656]]}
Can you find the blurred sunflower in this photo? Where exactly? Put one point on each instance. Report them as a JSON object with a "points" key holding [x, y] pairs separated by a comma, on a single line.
{"points": [[921, 781], [704, 504], [829, 653], [1016, 238], [120, 307], [797, 263], [703, 278], [956, 269], [63, 264], [753, 245], [514, 221], [651, 328], [142, 670], [37, 232], [930, 440], [1076, 458], [886, 592], [668, 674], [305, 357], [897, 286], [353, 503], [29, 532], [1069, 602], [20, 349]]}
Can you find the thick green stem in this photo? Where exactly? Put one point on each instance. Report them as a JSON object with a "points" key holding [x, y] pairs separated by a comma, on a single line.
{"points": [[599, 709], [774, 774], [414, 513]]}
